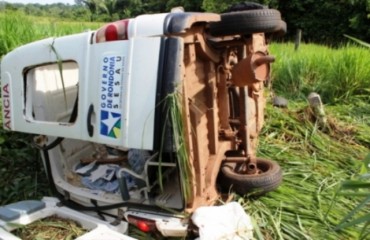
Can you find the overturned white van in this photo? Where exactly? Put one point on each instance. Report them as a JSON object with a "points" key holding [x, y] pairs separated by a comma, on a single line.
{"points": [[148, 116]]}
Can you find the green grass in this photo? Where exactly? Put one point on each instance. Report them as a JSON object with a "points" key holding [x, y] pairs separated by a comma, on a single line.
{"points": [[52, 227], [315, 163], [336, 74], [17, 29], [175, 121]]}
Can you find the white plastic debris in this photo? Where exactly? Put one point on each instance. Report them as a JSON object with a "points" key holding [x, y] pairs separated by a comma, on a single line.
{"points": [[100, 172], [86, 168], [227, 222]]}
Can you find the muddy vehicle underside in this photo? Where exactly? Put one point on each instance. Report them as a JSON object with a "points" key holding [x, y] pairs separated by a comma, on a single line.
{"points": [[175, 124]]}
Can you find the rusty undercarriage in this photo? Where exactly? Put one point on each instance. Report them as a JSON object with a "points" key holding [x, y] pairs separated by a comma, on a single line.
{"points": [[223, 94]]}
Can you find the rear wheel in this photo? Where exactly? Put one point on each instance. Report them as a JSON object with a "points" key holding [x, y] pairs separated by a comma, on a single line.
{"points": [[268, 177], [248, 22]]}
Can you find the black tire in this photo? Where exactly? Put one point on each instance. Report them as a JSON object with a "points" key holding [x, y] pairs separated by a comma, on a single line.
{"points": [[247, 22], [280, 31], [269, 178]]}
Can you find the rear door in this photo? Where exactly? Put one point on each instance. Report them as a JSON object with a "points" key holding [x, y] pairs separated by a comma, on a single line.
{"points": [[74, 88]]}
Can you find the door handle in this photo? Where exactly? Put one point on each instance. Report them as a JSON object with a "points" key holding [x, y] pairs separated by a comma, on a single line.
{"points": [[90, 126]]}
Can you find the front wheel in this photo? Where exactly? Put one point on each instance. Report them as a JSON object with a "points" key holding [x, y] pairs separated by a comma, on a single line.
{"points": [[268, 177]]}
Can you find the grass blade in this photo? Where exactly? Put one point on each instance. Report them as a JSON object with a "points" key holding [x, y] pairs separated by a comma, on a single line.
{"points": [[60, 67], [358, 41]]}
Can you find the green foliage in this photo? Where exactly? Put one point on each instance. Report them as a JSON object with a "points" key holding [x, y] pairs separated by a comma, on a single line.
{"points": [[214, 6], [336, 74], [188, 5], [219, 6], [17, 29], [325, 21], [21, 170], [71, 12], [322, 21]]}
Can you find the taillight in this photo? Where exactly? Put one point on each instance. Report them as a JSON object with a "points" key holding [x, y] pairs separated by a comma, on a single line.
{"points": [[144, 225], [111, 33]]}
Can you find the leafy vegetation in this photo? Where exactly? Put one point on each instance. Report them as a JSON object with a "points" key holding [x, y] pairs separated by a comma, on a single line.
{"points": [[337, 74], [315, 161], [21, 170], [326, 21], [59, 10], [17, 29]]}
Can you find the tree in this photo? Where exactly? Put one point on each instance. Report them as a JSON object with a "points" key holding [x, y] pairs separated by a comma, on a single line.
{"points": [[325, 21], [110, 6], [188, 5], [219, 6], [94, 6]]}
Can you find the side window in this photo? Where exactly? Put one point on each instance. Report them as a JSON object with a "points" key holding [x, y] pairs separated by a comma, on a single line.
{"points": [[51, 92]]}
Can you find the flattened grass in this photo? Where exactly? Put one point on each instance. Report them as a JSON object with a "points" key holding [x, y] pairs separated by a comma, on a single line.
{"points": [[52, 227], [315, 163]]}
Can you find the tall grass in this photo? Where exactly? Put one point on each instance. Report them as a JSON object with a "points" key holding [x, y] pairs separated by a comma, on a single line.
{"points": [[17, 29], [315, 163], [175, 108], [358, 186], [337, 74]]}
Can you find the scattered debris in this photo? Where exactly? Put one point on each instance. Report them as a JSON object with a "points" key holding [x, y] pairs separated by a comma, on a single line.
{"points": [[223, 222]]}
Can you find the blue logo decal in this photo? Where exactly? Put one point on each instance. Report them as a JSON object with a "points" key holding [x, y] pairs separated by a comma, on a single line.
{"points": [[110, 124]]}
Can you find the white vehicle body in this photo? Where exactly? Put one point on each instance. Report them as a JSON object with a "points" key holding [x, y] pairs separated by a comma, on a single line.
{"points": [[31, 211], [93, 70], [103, 76]]}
